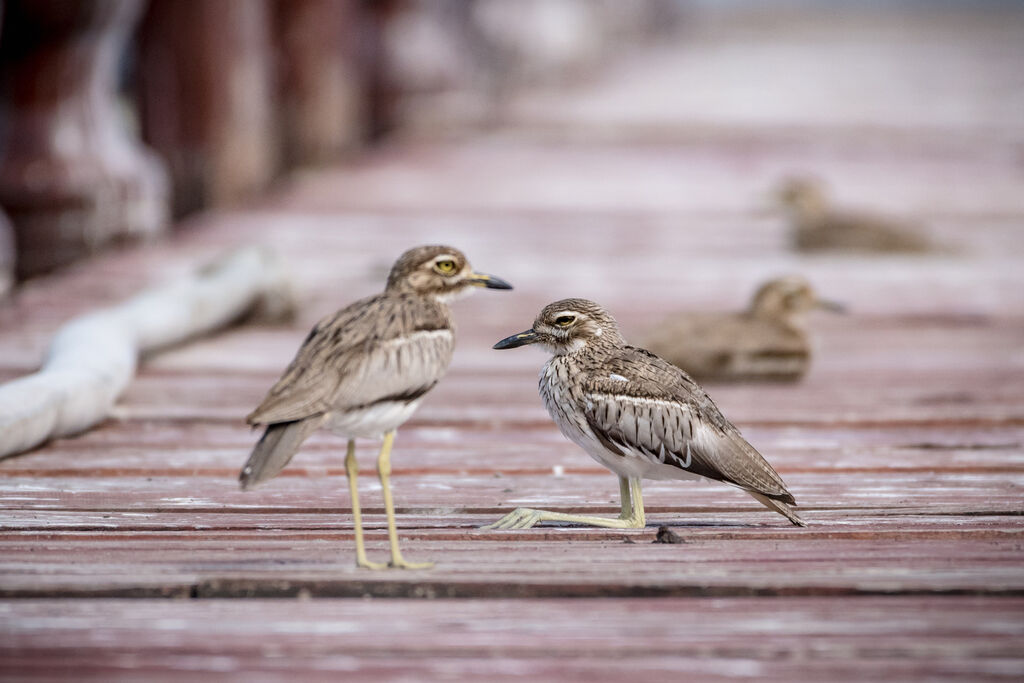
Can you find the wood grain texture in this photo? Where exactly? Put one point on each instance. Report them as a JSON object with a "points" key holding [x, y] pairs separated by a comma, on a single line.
{"points": [[708, 638], [903, 445]]}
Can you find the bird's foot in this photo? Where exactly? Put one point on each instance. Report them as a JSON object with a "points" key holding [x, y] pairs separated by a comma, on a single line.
{"points": [[395, 563], [525, 518], [631, 521], [401, 563], [520, 518], [366, 564]]}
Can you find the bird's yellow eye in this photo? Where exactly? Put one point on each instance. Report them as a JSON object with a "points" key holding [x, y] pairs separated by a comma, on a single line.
{"points": [[565, 320], [445, 266]]}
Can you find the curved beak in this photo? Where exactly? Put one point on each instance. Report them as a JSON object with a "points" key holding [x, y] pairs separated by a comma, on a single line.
{"points": [[517, 340], [488, 281], [831, 306]]}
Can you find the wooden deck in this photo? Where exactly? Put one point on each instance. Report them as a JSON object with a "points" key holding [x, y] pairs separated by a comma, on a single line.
{"points": [[119, 549]]}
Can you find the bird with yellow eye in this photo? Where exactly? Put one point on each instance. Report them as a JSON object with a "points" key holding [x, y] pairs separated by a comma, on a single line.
{"points": [[363, 371]]}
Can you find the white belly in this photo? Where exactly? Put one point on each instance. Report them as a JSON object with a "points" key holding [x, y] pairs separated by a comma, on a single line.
{"points": [[622, 465], [630, 464], [574, 426], [371, 422]]}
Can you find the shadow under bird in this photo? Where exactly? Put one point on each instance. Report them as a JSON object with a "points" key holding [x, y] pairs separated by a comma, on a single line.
{"points": [[766, 342], [816, 226], [363, 371], [636, 414]]}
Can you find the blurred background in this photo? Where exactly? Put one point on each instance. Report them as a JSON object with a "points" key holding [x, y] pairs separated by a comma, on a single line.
{"points": [[121, 117], [665, 158], [661, 157]]}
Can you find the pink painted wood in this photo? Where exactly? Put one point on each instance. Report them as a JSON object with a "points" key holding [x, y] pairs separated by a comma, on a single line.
{"points": [[903, 444]]}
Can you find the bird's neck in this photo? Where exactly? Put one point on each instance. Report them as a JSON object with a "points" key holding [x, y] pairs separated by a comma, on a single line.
{"points": [[596, 348], [791, 320], [807, 214], [424, 299]]}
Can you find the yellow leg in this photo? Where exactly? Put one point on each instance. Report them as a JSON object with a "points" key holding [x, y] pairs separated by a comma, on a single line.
{"points": [[632, 501], [384, 470], [631, 517], [352, 470]]}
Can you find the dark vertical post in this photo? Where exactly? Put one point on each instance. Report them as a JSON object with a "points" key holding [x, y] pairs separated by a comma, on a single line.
{"points": [[320, 84], [381, 92], [205, 93], [7, 258], [71, 176]]}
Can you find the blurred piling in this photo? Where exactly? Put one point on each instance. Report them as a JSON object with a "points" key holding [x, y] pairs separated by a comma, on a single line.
{"points": [[110, 130]]}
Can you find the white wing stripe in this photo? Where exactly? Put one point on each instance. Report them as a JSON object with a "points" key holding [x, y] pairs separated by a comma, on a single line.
{"points": [[685, 464], [417, 336], [638, 399]]}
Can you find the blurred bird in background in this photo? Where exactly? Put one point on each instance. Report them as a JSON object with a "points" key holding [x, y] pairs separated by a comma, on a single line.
{"points": [[766, 342], [817, 226]]}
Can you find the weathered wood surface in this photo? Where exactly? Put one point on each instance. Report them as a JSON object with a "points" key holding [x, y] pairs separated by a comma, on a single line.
{"points": [[903, 445], [707, 639]]}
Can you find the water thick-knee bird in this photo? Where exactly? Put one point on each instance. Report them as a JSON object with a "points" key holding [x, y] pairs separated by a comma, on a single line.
{"points": [[362, 372], [636, 414], [817, 226], [766, 342]]}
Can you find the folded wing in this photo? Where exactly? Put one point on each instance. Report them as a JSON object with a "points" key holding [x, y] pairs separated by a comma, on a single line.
{"points": [[383, 348], [647, 407]]}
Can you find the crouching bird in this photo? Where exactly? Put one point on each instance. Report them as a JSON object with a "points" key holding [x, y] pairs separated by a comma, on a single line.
{"points": [[817, 226], [768, 342], [636, 414], [362, 372]]}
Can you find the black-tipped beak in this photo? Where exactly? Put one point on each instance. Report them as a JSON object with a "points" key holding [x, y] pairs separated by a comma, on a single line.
{"points": [[517, 340], [831, 306], [488, 281]]}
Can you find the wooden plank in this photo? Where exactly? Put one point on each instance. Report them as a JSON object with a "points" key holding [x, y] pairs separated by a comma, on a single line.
{"points": [[790, 638], [217, 449], [324, 567], [285, 552], [875, 491], [903, 444]]}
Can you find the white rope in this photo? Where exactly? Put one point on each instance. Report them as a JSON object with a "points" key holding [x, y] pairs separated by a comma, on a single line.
{"points": [[93, 357]]}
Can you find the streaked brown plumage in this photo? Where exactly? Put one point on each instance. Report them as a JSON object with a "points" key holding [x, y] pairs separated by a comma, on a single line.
{"points": [[816, 226], [636, 414], [362, 371], [329, 372], [766, 342]]}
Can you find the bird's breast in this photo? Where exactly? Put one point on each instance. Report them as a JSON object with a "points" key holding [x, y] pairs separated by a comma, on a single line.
{"points": [[561, 390], [372, 421]]}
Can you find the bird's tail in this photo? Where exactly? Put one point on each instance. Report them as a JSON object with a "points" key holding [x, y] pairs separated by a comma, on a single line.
{"points": [[778, 506], [277, 446]]}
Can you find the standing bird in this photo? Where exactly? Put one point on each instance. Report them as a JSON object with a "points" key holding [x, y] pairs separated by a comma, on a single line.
{"points": [[766, 342], [363, 371], [636, 414], [817, 227]]}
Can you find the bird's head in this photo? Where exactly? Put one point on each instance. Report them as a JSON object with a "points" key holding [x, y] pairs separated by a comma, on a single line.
{"points": [[802, 197], [787, 298], [567, 326], [438, 271]]}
